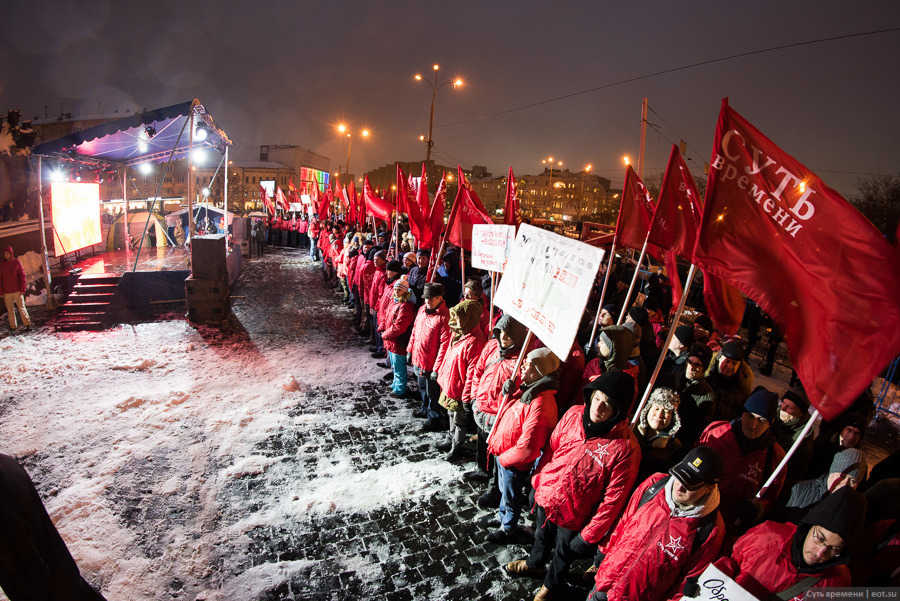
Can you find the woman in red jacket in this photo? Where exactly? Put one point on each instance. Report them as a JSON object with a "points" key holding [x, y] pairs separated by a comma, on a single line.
{"points": [[398, 323], [523, 425], [12, 287], [583, 480], [455, 374]]}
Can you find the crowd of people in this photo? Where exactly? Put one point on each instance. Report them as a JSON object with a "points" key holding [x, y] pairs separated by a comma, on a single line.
{"points": [[650, 505]]}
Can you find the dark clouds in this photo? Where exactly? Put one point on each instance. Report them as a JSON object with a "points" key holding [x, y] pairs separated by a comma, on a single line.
{"points": [[285, 72]]}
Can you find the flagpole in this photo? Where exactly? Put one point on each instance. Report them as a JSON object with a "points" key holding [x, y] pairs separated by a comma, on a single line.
{"points": [[637, 269], [662, 356], [491, 309], [612, 254], [813, 418], [462, 264], [513, 376], [446, 233]]}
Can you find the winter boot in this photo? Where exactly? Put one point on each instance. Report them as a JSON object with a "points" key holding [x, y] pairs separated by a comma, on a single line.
{"points": [[490, 499], [520, 567], [443, 446], [543, 594]]}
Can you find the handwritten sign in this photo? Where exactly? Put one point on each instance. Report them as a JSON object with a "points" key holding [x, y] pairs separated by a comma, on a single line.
{"points": [[716, 586], [491, 245], [546, 285]]}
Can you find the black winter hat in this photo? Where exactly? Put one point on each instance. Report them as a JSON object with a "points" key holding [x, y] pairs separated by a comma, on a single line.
{"points": [[797, 398], [702, 352], [700, 466], [843, 512], [395, 266], [762, 402], [611, 308], [638, 314], [685, 334], [733, 350], [433, 289], [617, 385]]}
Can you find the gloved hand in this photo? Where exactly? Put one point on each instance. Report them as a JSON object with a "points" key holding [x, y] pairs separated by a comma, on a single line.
{"points": [[691, 587], [508, 386], [587, 349], [432, 376], [749, 511], [580, 547]]}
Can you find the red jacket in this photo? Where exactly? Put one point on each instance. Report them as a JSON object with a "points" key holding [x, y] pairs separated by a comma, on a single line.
{"points": [[357, 274], [761, 562], [314, 230], [381, 305], [12, 275], [397, 325], [376, 289], [746, 473], [430, 337], [583, 484], [456, 371], [303, 226], [491, 371], [650, 552], [522, 428], [365, 282]]}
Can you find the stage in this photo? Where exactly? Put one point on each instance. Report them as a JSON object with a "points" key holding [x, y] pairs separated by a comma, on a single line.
{"points": [[117, 262]]}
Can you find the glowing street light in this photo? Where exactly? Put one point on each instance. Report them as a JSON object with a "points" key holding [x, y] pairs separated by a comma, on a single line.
{"points": [[205, 192], [626, 159], [342, 128], [364, 133], [145, 168], [588, 167], [456, 82], [421, 137]]}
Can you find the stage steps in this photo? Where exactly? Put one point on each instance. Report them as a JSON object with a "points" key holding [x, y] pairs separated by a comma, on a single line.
{"points": [[94, 303]]}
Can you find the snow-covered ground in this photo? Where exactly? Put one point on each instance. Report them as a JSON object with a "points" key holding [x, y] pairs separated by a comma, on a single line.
{"points": [[189, 463]]}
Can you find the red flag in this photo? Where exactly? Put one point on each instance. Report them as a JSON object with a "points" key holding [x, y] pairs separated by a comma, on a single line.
{"points": [[775, 231], [422, 195], [320, 201], [270, 208], [345, 203], [379, 207], [408, 201], [678, 210], [511, 210], [280, 199], [635, 214], [432, 235], [469, 211]]}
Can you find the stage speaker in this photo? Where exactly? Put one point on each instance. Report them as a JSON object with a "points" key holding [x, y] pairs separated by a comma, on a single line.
{"points": [[208, 257]]}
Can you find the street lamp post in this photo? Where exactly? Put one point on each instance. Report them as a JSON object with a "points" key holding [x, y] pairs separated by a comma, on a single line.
{"points": [[457, 82], [587, 170], [343, 128]]}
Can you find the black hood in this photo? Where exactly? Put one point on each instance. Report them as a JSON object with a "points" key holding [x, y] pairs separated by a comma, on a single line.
{"points": [[842, 512], [514, 330]]}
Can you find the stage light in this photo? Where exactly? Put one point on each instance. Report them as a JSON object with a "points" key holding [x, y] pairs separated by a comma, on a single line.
{"points": [[145, 168], [198, 156], [201, 132], [142, 146], [150, 131], [205, 192], [57, 175]]}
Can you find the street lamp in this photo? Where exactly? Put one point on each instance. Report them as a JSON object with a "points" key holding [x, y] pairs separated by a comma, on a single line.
{"points": [[626, 159], [344, 129], [456, 82]]}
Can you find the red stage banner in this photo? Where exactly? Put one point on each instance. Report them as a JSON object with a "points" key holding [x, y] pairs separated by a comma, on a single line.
{"points": [[775, 231]]}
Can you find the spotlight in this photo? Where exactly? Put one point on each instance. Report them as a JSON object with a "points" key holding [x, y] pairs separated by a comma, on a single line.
{"points": [[198, 156], [201, 132], [150, 131], [142, 146], [205, 192], [145, 168], [57, 175]]}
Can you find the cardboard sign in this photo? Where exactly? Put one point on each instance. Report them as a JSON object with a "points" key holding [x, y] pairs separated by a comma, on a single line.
{"points": [[491, 245], [546, 285], [716, 586]]}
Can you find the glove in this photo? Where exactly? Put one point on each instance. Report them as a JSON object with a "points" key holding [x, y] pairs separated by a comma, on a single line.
{"points": [[691, 587], [587, 349], [748, 513], [508, 386], [432, 376], [581, 548]]}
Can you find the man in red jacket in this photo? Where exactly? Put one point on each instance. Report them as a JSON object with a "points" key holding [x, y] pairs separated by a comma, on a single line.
{"points": [[749, 449], [524, 422], [12, 286], [583, 480], [376, 291], [428, 345], [670, 530], [783, 561], [398, 323]]}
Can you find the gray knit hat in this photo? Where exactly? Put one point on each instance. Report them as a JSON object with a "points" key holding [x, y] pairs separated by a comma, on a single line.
{"points": [[851, 462], [544, 361]]}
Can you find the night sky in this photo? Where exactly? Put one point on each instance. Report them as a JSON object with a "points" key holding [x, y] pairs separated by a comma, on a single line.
{"points": [[287, 72]]}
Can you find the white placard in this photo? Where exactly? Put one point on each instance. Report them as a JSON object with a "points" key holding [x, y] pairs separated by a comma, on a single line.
{"points": [[716, 586], [546, 285], [491, 245], [297, 207]]}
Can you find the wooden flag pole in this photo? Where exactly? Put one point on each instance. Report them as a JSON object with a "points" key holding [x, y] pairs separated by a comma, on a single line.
{"points": [[637, 269], [662, 356], [609, 266], [513, 377]]}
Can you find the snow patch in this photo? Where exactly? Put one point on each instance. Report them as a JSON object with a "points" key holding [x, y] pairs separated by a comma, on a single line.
{"points": [[257, 580], [250, 466]]}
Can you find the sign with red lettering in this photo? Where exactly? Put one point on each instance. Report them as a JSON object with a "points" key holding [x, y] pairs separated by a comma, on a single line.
{"points": [[491, 245], [546, 284]]}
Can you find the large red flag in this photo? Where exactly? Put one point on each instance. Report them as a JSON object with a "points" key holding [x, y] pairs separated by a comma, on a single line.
{"points": [[345, 204], [408, 202], [775, 231], [379, 207], [422, 195], [267, 202], [511, 206], [281, 200], [322, 202], [432, 236], [469, 211], [635, 214]]}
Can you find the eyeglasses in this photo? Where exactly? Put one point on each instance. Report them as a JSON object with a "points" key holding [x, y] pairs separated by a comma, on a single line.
{"points": [[819, 538]]}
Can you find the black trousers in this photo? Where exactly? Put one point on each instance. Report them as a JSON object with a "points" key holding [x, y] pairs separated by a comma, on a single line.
{"points": [[551, 542]]}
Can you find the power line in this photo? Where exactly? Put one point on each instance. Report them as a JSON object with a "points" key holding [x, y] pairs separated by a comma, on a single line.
{"points": [[686, 67]]}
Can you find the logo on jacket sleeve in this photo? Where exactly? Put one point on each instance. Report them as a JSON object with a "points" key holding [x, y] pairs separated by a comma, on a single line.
{"points": [[672, 548]]}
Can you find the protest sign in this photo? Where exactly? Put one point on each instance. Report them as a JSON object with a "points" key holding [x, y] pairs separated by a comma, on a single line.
{"points": [[491, 245], [546, 285], [297, 207], [716, 586]]}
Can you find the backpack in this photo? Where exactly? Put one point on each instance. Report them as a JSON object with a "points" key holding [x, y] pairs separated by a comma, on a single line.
{"points": [[707, 522]]}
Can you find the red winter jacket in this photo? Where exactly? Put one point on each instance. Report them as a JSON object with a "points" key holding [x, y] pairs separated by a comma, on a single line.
{"points": [[491, 371], [746, 473], [455, 374], [650, 552], [522, 428], [583, 484], [382, 303], [365, 282], [398, 322], [12, 275], [761, 562], [314, 231], [430, 337], [376, 289], [303, 226]]}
